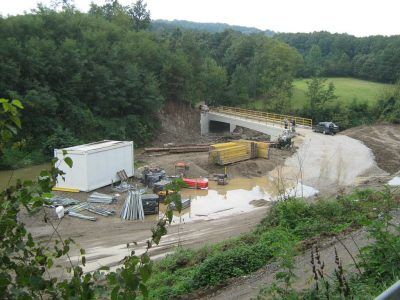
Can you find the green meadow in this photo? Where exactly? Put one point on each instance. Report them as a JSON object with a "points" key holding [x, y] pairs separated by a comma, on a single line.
{"points": [[346, 89]]}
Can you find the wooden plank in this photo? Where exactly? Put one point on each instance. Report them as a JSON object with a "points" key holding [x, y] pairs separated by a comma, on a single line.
{"points": [[62, 189]]}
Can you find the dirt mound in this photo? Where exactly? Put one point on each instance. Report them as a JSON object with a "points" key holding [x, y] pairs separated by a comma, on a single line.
{"points": [[383, 140], [200, 166]]}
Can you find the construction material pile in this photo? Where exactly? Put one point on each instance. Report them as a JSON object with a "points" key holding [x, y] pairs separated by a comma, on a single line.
{"points": [[64, 201], [231, 152], [100, 198], [75, 211], [180, 148], [133, 207], [152, 174]]}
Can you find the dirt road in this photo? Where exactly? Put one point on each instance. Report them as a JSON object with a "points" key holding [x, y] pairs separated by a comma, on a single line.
{"points": [[105, 240]]}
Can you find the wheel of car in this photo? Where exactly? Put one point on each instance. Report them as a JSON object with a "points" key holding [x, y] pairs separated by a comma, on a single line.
{"points": [[324, 132]]}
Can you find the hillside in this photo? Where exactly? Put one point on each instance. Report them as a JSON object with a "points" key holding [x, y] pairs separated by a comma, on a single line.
{"points": [[346, 89], [157, 25]]}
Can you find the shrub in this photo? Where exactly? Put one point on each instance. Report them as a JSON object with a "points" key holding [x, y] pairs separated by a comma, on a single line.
{"points": [[231, 263]]}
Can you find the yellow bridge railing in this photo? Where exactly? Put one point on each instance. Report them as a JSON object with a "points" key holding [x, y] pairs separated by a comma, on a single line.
{"points": [[275, 119]]}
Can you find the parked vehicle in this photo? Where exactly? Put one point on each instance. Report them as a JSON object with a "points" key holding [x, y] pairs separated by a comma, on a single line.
{"points": [[326, 128]]}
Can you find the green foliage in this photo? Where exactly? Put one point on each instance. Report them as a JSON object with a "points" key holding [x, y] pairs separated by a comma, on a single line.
{"points": [[375, 58], [378, 262], [15, 158], [101, 75], [347, 90], [160, 25], [388, 107], [277, 238], [9, 121], [327, 217], [233, 262], [370, 102], [139, 15], [319, 96], [382, 258]]}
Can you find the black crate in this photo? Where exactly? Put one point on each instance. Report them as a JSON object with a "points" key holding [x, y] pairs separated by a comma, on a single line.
{"points": [[160, 186], [150, 204]]}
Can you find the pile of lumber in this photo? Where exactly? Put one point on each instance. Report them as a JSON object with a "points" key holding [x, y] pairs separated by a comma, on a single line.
{"points": [[231, 152], [180, 148], [257, 149]]}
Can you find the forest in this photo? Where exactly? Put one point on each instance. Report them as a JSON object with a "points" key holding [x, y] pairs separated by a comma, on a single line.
{"points": [[375, 58], [105, 74]]}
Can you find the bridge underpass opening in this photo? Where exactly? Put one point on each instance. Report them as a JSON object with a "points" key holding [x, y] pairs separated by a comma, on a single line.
{"points": [[219, 127]]}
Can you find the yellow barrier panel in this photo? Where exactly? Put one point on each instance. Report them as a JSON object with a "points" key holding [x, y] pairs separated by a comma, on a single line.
{"points": [[226, 153]]}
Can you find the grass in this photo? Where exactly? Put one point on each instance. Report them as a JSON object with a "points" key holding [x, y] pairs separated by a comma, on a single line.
{"points": [[289, 223], [346, 89]]}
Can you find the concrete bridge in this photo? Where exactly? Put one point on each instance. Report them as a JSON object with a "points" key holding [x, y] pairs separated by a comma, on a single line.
{"points": [[267, 123]]}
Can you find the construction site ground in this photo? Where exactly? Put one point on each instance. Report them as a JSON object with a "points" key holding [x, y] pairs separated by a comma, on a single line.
{"points": [[383, 140], [105, 240]]}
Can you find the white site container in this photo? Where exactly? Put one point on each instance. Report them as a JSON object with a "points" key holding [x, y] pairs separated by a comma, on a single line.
{"points": [[94, 165]]}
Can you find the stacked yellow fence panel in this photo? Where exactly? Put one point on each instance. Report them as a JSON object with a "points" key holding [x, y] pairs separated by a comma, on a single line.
{"points": [[222, 145], [230, 155], [227, 153], [262, 150]]}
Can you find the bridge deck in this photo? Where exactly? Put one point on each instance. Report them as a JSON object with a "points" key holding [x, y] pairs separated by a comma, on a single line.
{"points": [[268, 118]]}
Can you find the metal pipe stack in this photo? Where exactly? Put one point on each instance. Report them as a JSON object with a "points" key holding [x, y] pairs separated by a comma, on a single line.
{"points": [[64, 201], [133, 207], [80, 216], [100, 198], [75, 210]]}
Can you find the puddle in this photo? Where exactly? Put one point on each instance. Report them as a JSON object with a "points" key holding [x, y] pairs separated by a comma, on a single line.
{"points": [[224, 200]]}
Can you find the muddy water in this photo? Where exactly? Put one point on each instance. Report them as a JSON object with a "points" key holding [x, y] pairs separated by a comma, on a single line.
{"points": [[217, 201], [220, 201], [29, 173]]}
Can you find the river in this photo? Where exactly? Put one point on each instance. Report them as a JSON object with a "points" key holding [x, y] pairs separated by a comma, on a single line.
{"points": [[8, 177]]}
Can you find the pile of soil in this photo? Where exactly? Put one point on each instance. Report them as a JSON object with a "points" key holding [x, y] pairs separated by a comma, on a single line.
{"points": [[199, 166], [383, 140]]}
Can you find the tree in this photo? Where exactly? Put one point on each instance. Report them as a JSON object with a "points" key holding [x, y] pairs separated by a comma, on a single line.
{"points": [[109, 10], [319, 95], [388, 107], [139, 15], [215, 80], [314, 61]]}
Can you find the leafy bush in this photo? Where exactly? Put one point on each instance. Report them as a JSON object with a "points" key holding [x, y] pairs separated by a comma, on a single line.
{"points": [[19, 158], [231, 263]]}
